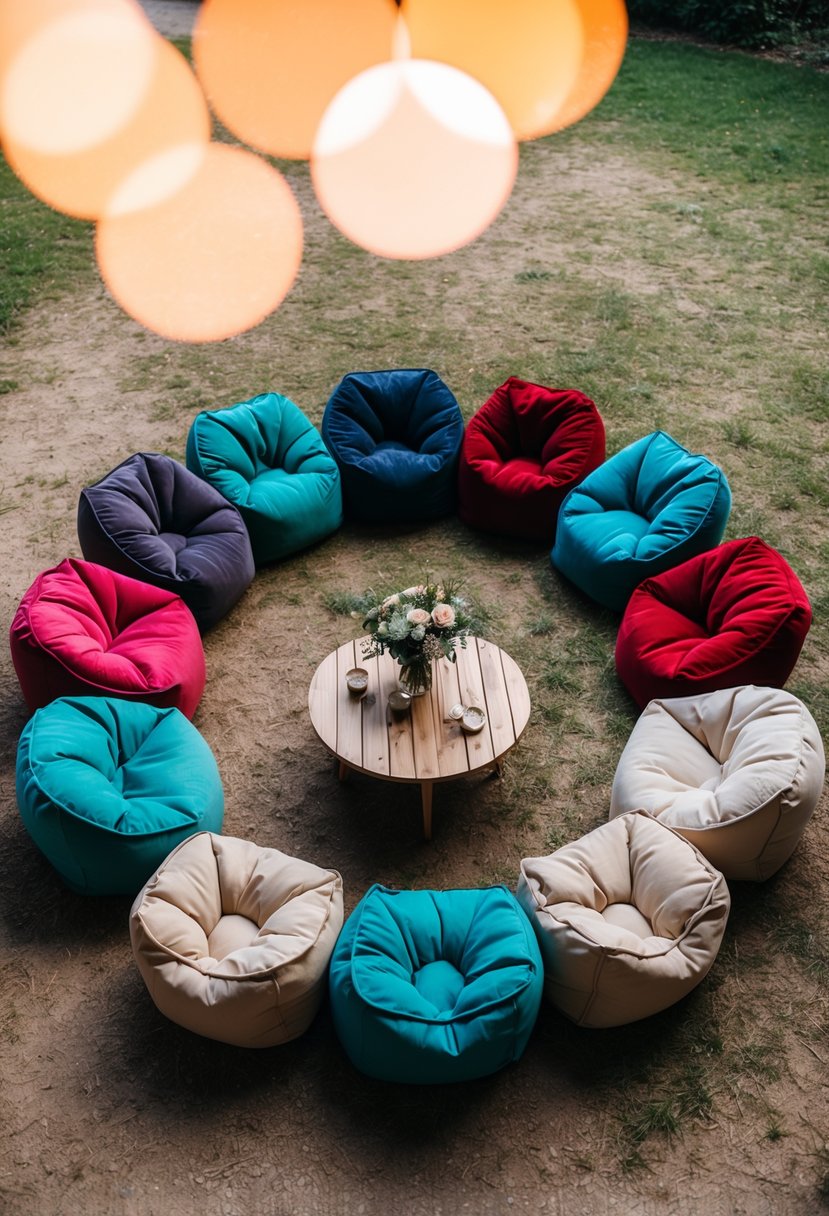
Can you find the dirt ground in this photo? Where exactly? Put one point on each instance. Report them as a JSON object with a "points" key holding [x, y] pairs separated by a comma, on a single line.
{"points": [[109, 1109]]}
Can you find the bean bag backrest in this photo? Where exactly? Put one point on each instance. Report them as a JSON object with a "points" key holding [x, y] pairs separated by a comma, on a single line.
{"points": [[267, 459], [233, 940], [106, 787], [433, 986], [523, 450], [736, 615], [649, 507], [737, 772], [152, 519], [83, 629], [395, 436]]}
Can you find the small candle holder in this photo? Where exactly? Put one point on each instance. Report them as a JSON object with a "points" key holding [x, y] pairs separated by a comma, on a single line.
{"points": [[473, 720], [357, 681], [400, 703]]}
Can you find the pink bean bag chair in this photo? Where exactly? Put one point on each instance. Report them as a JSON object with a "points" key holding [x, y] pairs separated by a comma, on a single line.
{"points": [[83, 630]]}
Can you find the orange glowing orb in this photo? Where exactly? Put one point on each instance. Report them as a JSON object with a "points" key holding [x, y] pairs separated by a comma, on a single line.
{"points": [[211, 260], [270, 69], [77, 77], [527, 52], [413, 159], [172, 113], [605, 25]]}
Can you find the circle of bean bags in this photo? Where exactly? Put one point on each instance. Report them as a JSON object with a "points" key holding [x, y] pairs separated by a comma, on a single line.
{"points": [[735, 615], [267, 459], [82, 629], [435, 986], [107, 787], [233, 940], [629, 919], [737, 772], [649, 507], [523, 451], [395, 436], [152, 519]]}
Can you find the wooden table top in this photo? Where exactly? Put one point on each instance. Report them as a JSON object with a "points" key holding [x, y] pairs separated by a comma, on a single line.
{"points": [[421, 746]]}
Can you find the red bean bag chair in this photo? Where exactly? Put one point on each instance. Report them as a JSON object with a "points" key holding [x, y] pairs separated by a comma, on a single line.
{"points": [[83, 630], [737, 614], [523, 451]]}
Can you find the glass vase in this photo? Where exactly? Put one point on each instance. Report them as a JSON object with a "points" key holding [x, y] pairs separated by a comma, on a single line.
{"points": [[416, 677]]}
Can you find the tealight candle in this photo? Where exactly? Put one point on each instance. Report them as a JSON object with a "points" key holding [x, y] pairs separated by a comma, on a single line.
{"points": [[357, 681], [400, 702]]}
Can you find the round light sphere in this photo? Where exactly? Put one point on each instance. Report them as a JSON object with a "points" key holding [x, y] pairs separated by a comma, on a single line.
{"points": [[413, 159], [213, 259], [270, 69], [528, 53]]}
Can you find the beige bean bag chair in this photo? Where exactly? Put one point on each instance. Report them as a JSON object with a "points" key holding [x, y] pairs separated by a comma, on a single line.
{"points": [[629, 919], [738, 772], [233, 940]]}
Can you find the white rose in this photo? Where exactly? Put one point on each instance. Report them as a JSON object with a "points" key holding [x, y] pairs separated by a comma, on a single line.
{"points": [[443, 615], [419, 616], [382, 629]]}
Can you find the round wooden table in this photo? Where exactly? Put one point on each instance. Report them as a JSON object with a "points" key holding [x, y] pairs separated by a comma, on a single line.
{"points": [[423, 746]]}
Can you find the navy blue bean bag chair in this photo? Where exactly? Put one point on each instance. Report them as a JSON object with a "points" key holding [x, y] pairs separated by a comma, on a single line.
{"points": [[154, 520], [107, 787], [396, 437], [266, 457], [648, 508], [435, 986]]}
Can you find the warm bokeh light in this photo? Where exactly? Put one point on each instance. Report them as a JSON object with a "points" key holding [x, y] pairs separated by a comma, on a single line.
{"points": [[77, 77], [212, 260], [270, 69], [527, 52], [605, 24], [413, 159], [172, 113]]}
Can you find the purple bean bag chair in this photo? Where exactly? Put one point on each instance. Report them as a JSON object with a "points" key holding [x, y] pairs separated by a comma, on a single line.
{"points": [[154, 520]]}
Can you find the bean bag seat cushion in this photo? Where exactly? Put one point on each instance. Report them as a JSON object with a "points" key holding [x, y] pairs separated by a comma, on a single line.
{"points": [[736, 615], [737, 772], [267, 459], [629, 919], [153, 519], [395, 436], [233, 940], [523, 451], [650, 507], [82, 629], [434, 986], [107, 787]]}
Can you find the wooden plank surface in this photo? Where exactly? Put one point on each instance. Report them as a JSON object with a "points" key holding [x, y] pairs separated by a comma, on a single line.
{"points": [[349, 711], [423, 746], [479, 748]]}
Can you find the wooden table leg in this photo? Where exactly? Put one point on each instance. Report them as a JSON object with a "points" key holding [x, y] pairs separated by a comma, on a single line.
{"points": [[426, 800], [343, 771]]}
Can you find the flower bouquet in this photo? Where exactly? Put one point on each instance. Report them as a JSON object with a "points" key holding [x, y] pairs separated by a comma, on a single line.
{"points": [[417, 626]]}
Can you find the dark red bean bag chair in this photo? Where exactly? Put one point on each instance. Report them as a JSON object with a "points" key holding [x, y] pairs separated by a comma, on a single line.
{"points": [[523, 451], [83, 630], [735, 615], [152, 519]]}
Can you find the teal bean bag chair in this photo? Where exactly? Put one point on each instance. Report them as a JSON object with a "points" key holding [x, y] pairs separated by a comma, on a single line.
{"points": [[648, 508], [270, 462], [108, 787], [435, 986]]}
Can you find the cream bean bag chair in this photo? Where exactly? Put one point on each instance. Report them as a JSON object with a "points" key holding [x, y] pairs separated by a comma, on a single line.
{"points": [[233, 941], [629, 919], [738, 772]]}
